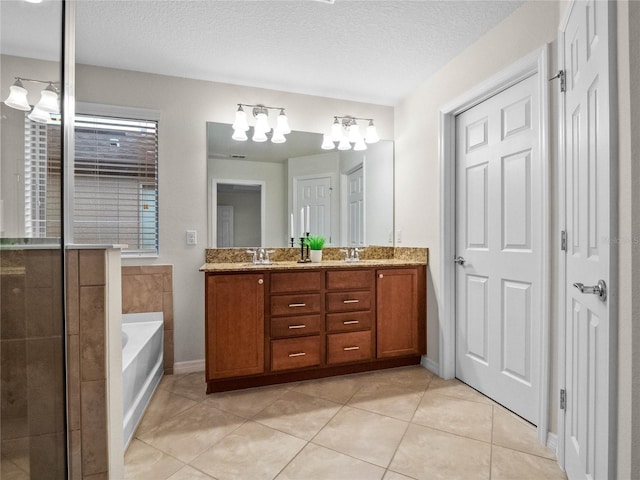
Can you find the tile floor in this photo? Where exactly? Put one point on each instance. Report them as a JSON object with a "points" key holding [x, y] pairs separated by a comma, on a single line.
{"points": [[394, 424]]}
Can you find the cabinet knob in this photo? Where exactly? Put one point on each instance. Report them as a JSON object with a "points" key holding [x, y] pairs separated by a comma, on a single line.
{"points": [[260, 282], [380, 275]]}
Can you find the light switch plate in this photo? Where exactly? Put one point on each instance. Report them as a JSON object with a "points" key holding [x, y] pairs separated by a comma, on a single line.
{"points": [[192, 237]]}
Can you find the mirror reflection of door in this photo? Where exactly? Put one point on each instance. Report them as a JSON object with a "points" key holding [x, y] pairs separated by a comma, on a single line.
{"points": [[316, 193], [355, 209], [238, 210]]}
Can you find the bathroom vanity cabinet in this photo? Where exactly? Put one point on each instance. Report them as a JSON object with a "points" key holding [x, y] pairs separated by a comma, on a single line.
{"points": [[282, 325]]}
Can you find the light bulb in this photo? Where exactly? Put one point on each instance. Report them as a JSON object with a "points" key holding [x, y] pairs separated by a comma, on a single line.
{"points": [[262, 124], [258, 135], [239, 134], [344, 144], [48, 100], [283, 123], [18, 97], [241, 120], [39, 116], [327, 143], [360, 145], [336, 130], [278, 137], [354, 132], [371, 136]]}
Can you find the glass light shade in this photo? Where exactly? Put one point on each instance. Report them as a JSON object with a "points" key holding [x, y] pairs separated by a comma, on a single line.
{"points": [[262, 125], [354, 132], [18, 97], [344, 144], [371, 136], [327, 143], [336, 131], [48, 101], [240, 135], [241, 120], [278, 137], [282, 124], [360, 145], [39, 116], [258, 136]]}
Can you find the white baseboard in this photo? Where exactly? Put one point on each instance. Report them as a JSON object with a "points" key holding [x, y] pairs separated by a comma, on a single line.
{"points": [[190, 366], [430, 365], [552, 442]]}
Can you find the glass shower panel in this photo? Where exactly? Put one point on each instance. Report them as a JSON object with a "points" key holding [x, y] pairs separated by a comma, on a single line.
{"points": [[32, 392]]}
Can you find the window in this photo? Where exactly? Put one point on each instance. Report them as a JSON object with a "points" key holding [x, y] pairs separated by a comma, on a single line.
{"points": [[115, 199]]}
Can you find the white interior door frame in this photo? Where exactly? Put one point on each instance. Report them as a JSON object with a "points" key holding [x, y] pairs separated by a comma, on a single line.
{"points": [[213, 205], [534, 63]]}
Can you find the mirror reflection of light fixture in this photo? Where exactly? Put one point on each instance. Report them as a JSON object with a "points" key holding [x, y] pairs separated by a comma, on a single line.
{"points": [[47, 105], [262, 127], [345, 131]]}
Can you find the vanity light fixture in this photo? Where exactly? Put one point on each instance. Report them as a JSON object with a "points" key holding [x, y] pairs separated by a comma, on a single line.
{"points": [[47, 105], [345, 131], [262, 127]]}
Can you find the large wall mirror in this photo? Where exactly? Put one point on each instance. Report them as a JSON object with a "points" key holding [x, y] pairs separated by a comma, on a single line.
{"points": [[257, 189]]}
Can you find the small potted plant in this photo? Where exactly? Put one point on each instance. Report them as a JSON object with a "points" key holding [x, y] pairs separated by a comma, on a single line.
{"points": [[315, 246]]}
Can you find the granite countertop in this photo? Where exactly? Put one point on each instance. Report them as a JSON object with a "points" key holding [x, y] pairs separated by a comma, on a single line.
{"points": [[290, 265]]}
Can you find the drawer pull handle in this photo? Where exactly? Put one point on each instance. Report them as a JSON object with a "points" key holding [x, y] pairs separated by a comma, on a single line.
{"points": [[299, 354], [297, 326], [293, 305], [350, 322], [346, 349], [350, 301]]}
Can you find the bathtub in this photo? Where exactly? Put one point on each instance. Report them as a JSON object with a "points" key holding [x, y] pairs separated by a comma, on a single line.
{"points": [[142, 366]]}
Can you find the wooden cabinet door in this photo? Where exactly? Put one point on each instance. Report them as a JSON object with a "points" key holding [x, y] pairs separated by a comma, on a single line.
{"points": [[397, 312], [235, 325]]}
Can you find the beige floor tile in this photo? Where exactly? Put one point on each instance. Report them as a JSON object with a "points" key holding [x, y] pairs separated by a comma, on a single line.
{"points": [[454, 415], [361, 434], [143, 462], [415, 377], [455, 388], [319, 463], [334, 389], [298, 414], [192, 386], [16, 451], [507, 464], [428, 454], [167, 381], [252, 452], [387, 399], [187, 435], [246, 403], [395, 476], [10, 471], [189, 473], [513, 432], [164, 405]]}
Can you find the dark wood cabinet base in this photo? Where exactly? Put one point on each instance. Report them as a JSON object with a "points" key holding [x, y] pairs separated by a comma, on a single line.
{"points": [[226, 384]]}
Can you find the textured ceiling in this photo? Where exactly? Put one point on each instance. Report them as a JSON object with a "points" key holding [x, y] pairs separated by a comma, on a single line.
{"points": [[375, 51]]}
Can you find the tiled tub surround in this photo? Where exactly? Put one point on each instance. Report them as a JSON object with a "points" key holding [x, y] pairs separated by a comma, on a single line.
{"points": [[399, 424], [32, 423], [149, 288]]}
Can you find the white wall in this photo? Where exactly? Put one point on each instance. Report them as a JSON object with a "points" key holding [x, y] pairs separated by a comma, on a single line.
{"points": [[185, 106]]}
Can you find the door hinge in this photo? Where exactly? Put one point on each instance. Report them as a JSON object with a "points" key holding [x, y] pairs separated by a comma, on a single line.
{"points": [[563, 399], [563, 240], [563, 81]]}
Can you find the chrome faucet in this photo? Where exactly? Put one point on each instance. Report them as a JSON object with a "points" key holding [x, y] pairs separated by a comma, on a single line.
{"points": [[260, 256], [351, 255]]}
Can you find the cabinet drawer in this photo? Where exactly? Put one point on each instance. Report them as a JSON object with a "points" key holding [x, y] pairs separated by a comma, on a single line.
{"points": [[348, 347], [285, 282], [295, 304], [295, 326], [348, 301], [347, 322], [295, 353], [350, 279]]}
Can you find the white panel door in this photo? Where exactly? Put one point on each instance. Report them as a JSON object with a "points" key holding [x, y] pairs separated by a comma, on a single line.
{"points": [[589, 384], [355, 208], [316, 192], [498, 233], [224, 227]]}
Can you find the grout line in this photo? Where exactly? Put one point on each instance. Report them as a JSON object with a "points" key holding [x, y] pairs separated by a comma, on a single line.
{"points": [[493, 409]]}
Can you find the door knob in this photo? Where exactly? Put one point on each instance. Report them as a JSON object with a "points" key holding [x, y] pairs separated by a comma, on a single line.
{"points": [[459, 260], [600, 289]]}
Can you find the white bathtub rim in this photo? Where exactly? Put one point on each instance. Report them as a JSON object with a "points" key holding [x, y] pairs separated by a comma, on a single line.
{"points": [[142, 317], [135, 343]]}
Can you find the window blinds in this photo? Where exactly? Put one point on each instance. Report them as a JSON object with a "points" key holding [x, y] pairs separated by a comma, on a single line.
{"points": [[116, 183]]}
